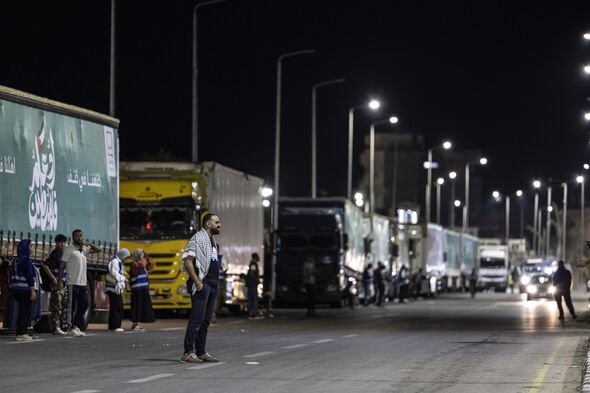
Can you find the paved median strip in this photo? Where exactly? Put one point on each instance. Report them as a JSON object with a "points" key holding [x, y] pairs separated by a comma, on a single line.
{"points": [[149, 379]]}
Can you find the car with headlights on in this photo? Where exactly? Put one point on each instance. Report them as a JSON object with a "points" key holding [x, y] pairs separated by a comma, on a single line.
{"points": [[539, 286]]}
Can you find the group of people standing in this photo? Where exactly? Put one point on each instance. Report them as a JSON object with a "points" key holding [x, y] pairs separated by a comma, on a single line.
{"points": [[375, 278], [64, 275]]}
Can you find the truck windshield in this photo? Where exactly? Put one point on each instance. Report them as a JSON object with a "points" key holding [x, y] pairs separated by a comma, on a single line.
{"points": [[323, 241], [293, 241], [149, 221], [494, 263]]}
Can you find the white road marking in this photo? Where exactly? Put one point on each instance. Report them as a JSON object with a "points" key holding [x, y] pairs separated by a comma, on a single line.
{"points": [[295, 346], [86, 391], [254, 355], [152, 378], [25, 342], [327, 340], [171, 329], [205, 365], [350, 336]]}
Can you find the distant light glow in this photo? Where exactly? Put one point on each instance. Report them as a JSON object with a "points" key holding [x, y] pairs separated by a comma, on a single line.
{"points": [[496, 194], [586, 36], [359, 202], [358, 195], [586, 166], [393, 119], [587, 115], [374, 104], [452, 175], [266, 192], [519, 193], [431, 165], [265, 203], [483, 161], [457, 203], [536, 183], [549, 209], [440, 180], [587, 69], [580, 179], [447, 145]]}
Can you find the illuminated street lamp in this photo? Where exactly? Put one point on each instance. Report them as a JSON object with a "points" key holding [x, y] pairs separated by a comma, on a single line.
{"points": [[446, 145], [391, 120], [498, 198], [519, 194], [373, 105]]}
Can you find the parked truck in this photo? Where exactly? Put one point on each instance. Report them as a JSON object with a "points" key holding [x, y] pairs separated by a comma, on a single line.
{"points": [[328, 230], [58, 172], [161, 207]]}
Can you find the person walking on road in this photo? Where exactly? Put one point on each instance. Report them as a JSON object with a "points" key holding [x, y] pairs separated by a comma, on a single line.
{"points": [[55, 273], [562, 281], [141, 303], [252, 281], [309, 281], [473, 282], [367, 283], [74, 257], [201, 263], [22, 287], [379, 284]]}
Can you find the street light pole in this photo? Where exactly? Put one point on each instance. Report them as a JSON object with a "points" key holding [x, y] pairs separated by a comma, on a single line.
{"points": [[392, 120], [507, 218], [275, 223], [547, 252], [439, 182], [564, 225], [466, 205], [195, 147], [428, 186], [314, 132], [580, 180], [452, 176], [112, 78], [374, 105], [536, 185]]}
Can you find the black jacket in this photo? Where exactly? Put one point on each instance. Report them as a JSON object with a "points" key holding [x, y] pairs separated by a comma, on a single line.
{"points": [[562, 280]]}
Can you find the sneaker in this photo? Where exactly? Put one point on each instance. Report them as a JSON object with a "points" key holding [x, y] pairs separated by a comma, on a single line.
{"points": [[24, 337], [190, 358], [561, 318], [117, 330], [138, 328], [207, 358], [76, 332], [59, 332]]}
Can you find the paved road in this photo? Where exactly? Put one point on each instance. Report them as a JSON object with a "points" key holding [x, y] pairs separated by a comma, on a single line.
{"points": [[494, 343]]}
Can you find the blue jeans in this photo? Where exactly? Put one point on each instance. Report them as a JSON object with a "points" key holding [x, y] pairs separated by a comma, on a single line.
{"points": [[203, 303]]}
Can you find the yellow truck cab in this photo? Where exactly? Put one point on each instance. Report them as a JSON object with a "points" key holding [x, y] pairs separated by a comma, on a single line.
{"points": [[161, 204]]}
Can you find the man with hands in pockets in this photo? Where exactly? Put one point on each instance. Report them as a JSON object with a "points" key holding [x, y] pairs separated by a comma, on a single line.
{"points": [[201, 264]]}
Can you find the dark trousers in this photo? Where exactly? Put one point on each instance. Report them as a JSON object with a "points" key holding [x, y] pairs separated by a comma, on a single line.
{"points": [[115, 310], [78, 304], [367, 288], [203, 304], [23, 299], [310, 290], [379, 293], [568, 302], [252, 301]]}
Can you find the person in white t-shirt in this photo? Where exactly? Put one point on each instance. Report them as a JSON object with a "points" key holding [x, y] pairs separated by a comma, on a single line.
{"points": [[74, 257]]}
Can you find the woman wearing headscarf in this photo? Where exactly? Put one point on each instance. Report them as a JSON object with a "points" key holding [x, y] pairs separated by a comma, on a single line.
{"points": [[22, 287], [141, 304], [114, 288]]}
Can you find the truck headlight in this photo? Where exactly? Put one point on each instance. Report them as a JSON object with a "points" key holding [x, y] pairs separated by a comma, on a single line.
{"points": [[524, 280], [532, 289], [181, 290], [551, 289]]}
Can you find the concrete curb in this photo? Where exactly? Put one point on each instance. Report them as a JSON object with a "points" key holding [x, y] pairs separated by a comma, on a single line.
{"points": [[585, 384]]}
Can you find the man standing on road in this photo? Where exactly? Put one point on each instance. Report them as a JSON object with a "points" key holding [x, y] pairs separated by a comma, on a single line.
{"points": [[201, 264], [74, 257], [562, 281], [54, 268]]}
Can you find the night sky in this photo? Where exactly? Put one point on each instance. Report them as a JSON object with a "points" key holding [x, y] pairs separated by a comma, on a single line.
{"points": [[500, 76]]}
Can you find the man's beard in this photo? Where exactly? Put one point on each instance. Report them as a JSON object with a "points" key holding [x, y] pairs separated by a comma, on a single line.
{"points": [[215, 231]]}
